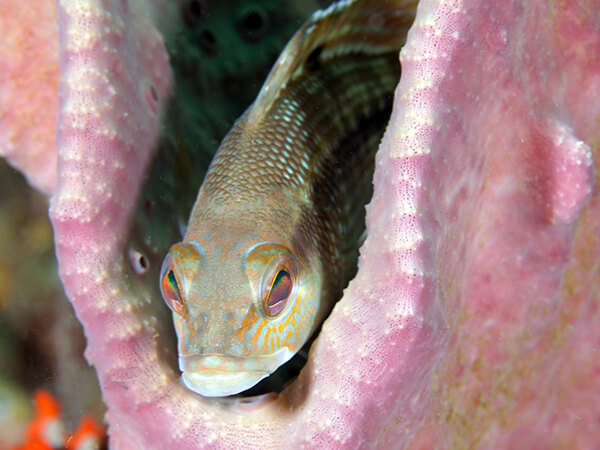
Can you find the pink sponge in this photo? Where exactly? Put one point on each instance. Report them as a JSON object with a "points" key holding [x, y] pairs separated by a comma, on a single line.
{"points": [[28, 89], [473, 318]]}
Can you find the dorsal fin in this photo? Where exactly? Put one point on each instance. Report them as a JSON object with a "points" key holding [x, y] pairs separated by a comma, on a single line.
{"points": [[346, 27]]}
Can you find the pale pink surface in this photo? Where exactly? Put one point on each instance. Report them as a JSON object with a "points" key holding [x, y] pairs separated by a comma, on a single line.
{"points": [[518, 247], [471, 321], [28, 89]]}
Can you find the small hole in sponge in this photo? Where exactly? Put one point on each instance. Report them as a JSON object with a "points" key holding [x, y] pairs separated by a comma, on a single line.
{"points": [[139, 262], [253, 23], [194, 12], [208, 42], [151, 96], [153, 93]]}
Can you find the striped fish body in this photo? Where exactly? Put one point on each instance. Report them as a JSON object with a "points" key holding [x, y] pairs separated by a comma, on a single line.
{"points": [[274, 234]]}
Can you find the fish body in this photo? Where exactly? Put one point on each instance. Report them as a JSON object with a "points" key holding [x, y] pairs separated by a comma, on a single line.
{"points": [[273, 237]]}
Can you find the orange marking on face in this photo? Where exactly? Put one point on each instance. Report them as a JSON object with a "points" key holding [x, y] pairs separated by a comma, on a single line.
{"points": [[292, 314], [255, 338], [193, 251], [266, 337], [247, 322]]}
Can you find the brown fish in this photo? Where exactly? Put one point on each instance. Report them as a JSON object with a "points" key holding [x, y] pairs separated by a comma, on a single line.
{"points": [[274, 234]]}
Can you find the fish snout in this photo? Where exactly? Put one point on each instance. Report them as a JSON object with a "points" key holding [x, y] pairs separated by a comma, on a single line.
{"points": [[212, 332]]}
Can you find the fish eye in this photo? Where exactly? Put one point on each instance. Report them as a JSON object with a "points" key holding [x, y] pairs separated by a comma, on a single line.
{"points": [[273, 274], [170, 288], [278, 293]]}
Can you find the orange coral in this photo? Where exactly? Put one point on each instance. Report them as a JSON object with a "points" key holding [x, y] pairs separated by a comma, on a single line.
{"points": [[46, 430]]}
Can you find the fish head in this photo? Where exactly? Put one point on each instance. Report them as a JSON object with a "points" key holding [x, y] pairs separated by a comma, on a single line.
{"points": [[240, 311]]}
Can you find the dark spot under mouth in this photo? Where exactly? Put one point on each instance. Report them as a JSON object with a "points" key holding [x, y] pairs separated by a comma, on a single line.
{"points": [[277, 381]]}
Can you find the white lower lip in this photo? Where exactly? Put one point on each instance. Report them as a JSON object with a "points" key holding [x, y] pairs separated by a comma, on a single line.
{"points": [[216, 383], [214, 375]]}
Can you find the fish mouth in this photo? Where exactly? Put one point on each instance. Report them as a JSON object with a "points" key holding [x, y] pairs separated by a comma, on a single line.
{"points": [[219, 375]]}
